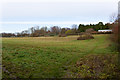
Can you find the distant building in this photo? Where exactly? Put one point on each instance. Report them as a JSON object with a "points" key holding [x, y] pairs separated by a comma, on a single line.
{"points": [[104, 30]]}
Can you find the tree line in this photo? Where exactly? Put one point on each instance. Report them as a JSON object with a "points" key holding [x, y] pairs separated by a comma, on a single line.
{"points": [[96, 27], [56, 30]]}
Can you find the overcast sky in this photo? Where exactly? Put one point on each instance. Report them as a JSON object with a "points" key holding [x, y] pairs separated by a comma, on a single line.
{"points": [[44, 12]]}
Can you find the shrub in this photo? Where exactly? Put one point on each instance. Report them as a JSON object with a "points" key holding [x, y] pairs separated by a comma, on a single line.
{"points": [[90, 30], [100, 66], [42, 35], [85, 36], [114, 36], [69, 32], [62, 35], [52, 35]]}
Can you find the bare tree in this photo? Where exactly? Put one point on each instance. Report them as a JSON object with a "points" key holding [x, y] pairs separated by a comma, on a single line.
{"points": [[44, 28], [32, 31], [113, 17], [55, 30], [74, 26], [37, 27], [90, 30]]}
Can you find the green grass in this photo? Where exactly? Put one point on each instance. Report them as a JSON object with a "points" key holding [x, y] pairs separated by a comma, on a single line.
{"points": [[48, 57]]}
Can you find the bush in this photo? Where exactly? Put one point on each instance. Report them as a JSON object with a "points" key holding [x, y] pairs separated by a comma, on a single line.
{"points": [[114, 36], [42, 35], [85, 36], [100, 66], [90, 30], [69, 32], [62, 35], [52, 35]]}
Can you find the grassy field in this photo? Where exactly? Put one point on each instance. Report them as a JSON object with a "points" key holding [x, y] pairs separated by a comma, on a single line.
{"points": [[49, 57]]}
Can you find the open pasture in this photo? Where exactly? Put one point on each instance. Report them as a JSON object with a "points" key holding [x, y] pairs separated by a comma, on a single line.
{"points": [[48, 57]]}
